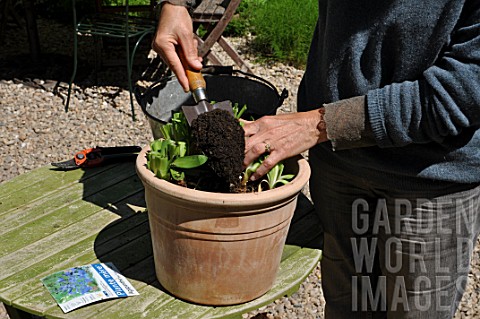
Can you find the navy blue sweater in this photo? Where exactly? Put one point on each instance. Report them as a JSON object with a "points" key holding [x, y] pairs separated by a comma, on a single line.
{"points": [[418, 65]]}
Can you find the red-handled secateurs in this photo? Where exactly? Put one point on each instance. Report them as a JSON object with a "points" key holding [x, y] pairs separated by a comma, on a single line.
{"points": [[97, 156]]}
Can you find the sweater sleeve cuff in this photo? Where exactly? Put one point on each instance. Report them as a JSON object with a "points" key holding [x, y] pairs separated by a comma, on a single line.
{"points": [[191, 5], [347, 124], [185, 3]]}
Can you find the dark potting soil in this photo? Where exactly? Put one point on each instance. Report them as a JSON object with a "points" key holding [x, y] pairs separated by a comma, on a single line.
{"points": [[219, 135]]}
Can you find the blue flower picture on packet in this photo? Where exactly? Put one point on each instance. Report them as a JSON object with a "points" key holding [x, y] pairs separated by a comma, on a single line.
{"points": [[78, 286]]}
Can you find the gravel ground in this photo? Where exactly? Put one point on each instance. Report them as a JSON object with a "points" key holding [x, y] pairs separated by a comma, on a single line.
{"points": [[35, 130]]}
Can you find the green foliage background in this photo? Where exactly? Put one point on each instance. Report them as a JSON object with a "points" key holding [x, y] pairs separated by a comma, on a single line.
{"points": [[281, 29]]}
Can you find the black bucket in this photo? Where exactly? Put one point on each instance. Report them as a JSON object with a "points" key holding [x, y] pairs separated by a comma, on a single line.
{"points": [[166, 96]]}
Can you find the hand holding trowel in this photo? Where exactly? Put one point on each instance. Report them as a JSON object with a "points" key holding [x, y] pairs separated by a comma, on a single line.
{"points": [[198, 87]]}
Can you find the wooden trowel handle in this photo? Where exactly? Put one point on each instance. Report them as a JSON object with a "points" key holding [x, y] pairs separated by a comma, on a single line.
{"points": [[195, 80]]}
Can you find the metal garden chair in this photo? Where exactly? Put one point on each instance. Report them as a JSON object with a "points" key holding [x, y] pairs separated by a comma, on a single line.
{"points": [[114, 22]]}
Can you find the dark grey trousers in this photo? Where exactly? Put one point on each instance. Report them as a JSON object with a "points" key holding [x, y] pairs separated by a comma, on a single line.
{"points": [[401, 252]]}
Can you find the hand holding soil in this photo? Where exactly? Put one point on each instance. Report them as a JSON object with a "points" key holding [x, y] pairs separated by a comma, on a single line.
{"points": [[284, 136]]}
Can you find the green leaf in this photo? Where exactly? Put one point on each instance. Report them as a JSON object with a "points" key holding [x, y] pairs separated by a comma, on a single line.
{"points": [[172, 150], [182, 149], [191, 161], [180, 127], [177, 175], [161, 167], [274, 177], [156, 145], [164, 168], [252, 168], [238, 113], [157, 164], [288, 176], [166, 131], [151, 162]]}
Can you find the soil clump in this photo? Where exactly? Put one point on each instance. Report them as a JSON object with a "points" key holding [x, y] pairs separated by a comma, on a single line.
{"points": [[219, 135]]}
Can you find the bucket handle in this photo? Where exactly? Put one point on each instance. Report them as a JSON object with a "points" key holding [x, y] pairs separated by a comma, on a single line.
{"points": [[284, 93], [219, 70], [229, 70]]}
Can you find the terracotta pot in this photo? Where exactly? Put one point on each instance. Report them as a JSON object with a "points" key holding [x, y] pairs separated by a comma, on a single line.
{"points": [[215, 248]]}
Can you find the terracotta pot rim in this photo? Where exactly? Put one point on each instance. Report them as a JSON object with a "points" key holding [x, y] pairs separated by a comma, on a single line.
{"points": [[270, 196]]}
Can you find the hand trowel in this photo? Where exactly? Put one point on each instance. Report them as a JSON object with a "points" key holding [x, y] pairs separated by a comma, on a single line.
{"points": [[198, 87]]}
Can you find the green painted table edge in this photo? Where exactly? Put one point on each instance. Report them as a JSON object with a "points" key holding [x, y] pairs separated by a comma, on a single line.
{"points": [[111, 196]]}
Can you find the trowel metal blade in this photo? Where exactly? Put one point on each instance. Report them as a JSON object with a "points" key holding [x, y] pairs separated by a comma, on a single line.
{"points": [[193, 111]]}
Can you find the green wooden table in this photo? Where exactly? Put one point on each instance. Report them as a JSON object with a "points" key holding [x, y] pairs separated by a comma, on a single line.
{"points": [[52, 220]]}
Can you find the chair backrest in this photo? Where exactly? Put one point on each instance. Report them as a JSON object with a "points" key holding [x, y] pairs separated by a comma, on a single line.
{"points": [[210, 11], [215, 15]]}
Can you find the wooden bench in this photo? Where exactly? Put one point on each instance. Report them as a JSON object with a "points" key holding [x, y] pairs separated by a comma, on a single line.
{"points": [[53, 220]]}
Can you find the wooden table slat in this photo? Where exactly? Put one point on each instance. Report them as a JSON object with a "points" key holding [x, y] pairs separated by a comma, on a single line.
{"points": [[44, 184], [13, 198], [41, 181], [37, 176], [30, 301], [42, 249], [36, 301], [62, 238], [79, 254], [64, 198], [289, 250], [143, 306], [103, 219], [56, 221], [177, 308], [167, 307], [27, 280]]}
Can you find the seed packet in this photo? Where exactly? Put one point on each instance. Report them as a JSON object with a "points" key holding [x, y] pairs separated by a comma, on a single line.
{"points": [[79, 286]]}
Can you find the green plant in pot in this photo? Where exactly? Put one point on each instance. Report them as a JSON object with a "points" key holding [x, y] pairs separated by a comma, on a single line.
{"points": [[168, 157], [210, 247], [177, 159]]}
